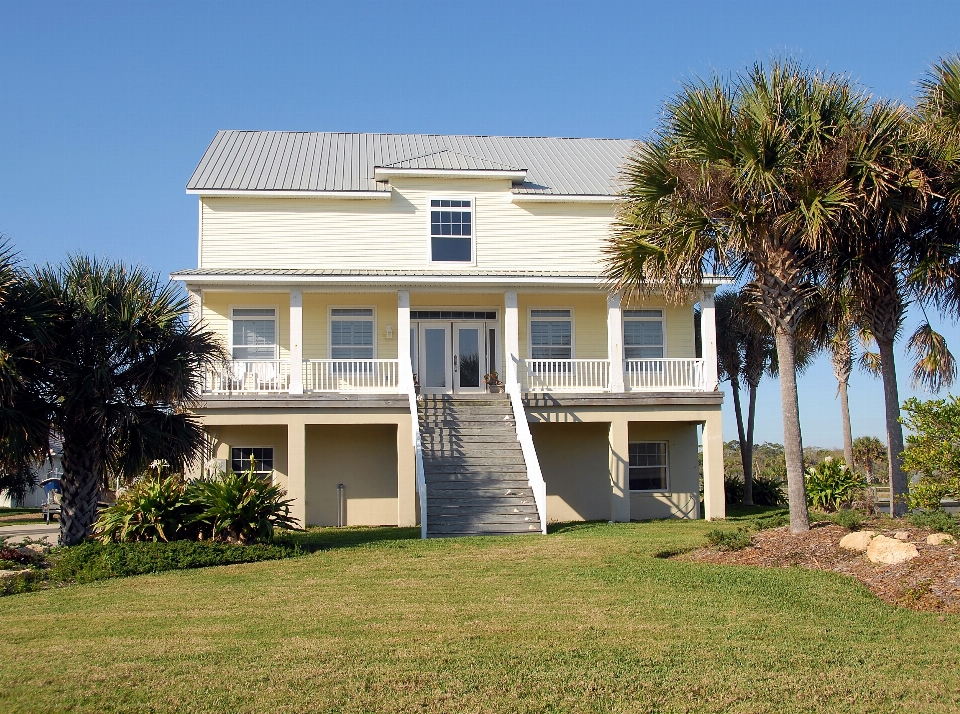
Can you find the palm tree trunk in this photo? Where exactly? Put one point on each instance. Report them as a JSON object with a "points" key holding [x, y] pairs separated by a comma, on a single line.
{"points": [[81, 491], [847, 431], [738, 410], [891, 398], [748, 445], [792, 444]]}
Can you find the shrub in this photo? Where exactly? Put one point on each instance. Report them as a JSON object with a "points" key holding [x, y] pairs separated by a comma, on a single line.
{"points": [[831, 485], [729, 540], [156, 508], [768, 489], [241, 507], [848, 518], [777, 520], [732, 488], [936, 520], [927, 492], [92, 561]]}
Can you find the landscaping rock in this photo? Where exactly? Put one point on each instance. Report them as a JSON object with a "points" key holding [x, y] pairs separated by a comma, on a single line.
{"points": [[4, 574], [858, 541], [940, 539], [34, 549], [902, 535], [890, 551]]}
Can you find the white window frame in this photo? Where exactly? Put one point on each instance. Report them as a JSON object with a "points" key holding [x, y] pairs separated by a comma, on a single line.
{"points": [[663, 328], [331, 318], [473, 230], [276, 326], [531, 319], [265, 474], [666, 466]]}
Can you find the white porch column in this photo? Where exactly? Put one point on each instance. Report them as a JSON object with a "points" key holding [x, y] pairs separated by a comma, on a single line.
{"points": [[296, 342], [708, 338], [403, 340], [714, 506], [511, 338], [615, 343]]}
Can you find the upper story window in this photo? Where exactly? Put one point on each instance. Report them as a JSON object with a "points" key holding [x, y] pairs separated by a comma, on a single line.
{"points": [[351, 333], [451, 230], [643, 334], [551, 334], [254, 333]]}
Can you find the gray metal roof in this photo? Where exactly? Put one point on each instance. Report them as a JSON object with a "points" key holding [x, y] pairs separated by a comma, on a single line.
{"points": [[349, 273], [329, 161]]}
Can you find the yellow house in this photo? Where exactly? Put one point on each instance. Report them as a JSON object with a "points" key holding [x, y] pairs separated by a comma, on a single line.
{"points": [[372, 289]]}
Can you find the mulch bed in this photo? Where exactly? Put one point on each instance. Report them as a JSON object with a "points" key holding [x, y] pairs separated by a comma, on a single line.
{"points": [[930, 582]]}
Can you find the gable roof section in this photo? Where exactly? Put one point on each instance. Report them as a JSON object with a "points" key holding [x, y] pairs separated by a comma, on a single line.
{"points": [[326, 161]]}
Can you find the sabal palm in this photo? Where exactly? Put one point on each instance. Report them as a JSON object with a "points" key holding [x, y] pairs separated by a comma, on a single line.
{"points": [[747, 177], [125, 365]]}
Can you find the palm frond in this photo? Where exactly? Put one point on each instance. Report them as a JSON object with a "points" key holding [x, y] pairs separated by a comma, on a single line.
{"points": [[935, 366]]}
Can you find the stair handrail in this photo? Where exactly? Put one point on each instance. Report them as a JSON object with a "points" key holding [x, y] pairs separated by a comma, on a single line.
{"points": [[407, 385], [534, 474]]}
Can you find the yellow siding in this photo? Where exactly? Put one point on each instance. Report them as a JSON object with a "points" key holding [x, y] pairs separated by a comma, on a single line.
{"points": [[216, 313], [589, 321], [316, 321], [336, 233], [678, 328]]}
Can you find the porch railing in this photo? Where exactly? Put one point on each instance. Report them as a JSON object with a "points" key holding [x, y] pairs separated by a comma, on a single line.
{"points": [[564, 375], [663, 374], [351, 375], [240, 375]]}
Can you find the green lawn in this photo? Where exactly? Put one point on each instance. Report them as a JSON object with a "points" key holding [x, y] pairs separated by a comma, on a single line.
{"points": [[585, 619]]}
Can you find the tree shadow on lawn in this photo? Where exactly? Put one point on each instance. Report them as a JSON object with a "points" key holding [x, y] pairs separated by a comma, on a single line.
{"points": [[317, 538]]}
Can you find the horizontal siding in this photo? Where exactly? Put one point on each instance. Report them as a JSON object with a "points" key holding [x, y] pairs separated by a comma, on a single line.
{"points": [[316, 321], [216, 313], [393, 235], [589, 321]]}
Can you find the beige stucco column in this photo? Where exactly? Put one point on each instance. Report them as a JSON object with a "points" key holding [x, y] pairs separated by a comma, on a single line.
{"points": [[708, 338], [620, 469], [615, 342], [297, 469], [296, 341], [196, 306], [714, 506], [511, 337], [406, 475]]}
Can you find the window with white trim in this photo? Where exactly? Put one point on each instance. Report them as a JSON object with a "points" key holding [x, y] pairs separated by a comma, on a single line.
{"points": [[648, 466], [551, 334], [351, 333], [451, 230], [254, 333], [643, 334], [261, 456]]}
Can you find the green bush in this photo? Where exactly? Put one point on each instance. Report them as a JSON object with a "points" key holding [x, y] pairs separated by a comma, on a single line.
{"points": [[92, 561], [154, 509], [831, 485], [767, 489], [241, 507], [729, 540], [848, 518], [936, 520], [777, 520], [927, 492], [733, 488]]}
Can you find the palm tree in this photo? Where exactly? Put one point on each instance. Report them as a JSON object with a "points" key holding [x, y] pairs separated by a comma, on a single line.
{"points": [[867, 450], [746, 177], [124, 367], [24, 323]]}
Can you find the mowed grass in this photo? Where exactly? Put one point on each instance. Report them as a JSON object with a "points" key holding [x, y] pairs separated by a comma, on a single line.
{"points": [[586, 619]]}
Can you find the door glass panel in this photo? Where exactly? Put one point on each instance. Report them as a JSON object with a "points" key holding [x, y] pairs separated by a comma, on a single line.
{"points": [[469, 343], [435, 357]]}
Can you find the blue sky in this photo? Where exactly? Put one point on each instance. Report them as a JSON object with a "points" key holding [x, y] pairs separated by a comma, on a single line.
{"points": [[105, 108]]}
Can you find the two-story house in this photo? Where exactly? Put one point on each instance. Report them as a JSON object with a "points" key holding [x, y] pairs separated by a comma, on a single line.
{"points": [[366, 284]]}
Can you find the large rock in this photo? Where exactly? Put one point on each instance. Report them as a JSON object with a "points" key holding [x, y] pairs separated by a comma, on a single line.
{"points": [[902, 535], [940, 539], [858, 541], [890, 551]]}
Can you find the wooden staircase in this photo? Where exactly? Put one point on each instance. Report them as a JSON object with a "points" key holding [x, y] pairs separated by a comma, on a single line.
{"points": [[474, 469]]}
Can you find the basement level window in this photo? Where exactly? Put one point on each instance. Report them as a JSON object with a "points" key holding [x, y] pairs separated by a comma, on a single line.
{"points": [[648, 466], [240, 459], [451, 230]]}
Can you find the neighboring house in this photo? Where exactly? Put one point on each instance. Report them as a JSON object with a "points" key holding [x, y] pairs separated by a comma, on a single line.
{"points": [[347, 271], [51, 467]]}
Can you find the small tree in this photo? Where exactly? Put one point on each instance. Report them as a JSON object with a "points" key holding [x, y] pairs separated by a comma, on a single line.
{"points": [[867, 451], [933, 450]]}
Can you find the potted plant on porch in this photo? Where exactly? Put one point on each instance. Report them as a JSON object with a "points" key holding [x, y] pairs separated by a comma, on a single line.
{"points": [[494, 385]]}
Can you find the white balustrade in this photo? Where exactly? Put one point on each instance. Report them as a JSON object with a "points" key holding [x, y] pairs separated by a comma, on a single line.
{"points": [[240, 375], [351, 375], [564, 375], [663, 375]]}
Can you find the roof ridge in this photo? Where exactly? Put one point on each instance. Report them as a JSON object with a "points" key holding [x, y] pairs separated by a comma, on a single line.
{"points": [[465, 136]]}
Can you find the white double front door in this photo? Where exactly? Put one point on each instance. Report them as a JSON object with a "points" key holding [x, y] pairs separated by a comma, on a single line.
{"points": [[450, 357]]}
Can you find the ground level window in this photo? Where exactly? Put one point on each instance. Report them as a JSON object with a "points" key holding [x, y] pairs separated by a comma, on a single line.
{"points": [[648, 466], [262, 458]]}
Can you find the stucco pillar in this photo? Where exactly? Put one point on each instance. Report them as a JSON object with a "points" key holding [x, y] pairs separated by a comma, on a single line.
{"points": [[297, 470], [403, 340], [714, 506], [615, 342], [511, 338], [296, 342], [406, 475], [196, 306], [708, 338], [620, 470]]}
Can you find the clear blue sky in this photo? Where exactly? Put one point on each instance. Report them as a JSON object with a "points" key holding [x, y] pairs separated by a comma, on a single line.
{"points": [[105, 108]]}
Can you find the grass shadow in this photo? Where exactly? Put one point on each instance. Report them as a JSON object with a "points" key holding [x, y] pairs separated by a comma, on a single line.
{"points": [[317, 538], [573, 526]]}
